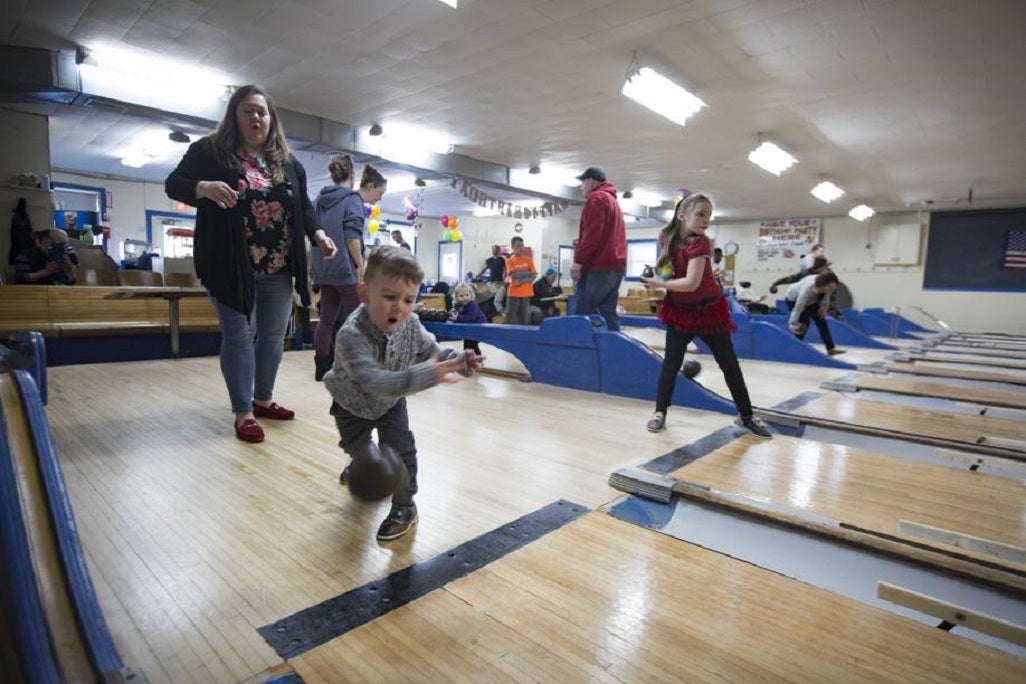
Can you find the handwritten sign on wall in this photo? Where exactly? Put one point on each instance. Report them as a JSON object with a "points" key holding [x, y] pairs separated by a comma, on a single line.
{"points": [[787, 238]]}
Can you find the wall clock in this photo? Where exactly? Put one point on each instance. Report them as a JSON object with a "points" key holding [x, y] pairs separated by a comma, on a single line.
{"points": [[730, 249]]}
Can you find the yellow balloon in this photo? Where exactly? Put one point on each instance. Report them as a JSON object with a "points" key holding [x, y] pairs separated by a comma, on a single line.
{"points": [[372, 226], [375, 210], [456, 235]]}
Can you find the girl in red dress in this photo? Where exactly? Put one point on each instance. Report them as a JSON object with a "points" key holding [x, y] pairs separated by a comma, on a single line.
{"points": [[695, 306]]}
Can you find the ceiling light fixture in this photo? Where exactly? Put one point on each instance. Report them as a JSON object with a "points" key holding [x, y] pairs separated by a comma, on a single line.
{"points": [[375, 129], [628, 194], [861, 212], [769, 157], [534, 170], [648, 87], [826, 192], [178, 137], [150, 79], [420, 182], [450, 3]]}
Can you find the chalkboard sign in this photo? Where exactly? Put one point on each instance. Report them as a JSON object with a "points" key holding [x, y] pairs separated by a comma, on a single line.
{"points": [[968, 250]]}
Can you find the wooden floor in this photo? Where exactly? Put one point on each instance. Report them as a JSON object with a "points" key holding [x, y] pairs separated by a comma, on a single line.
{"points": [[195, 540], [935, 387]]}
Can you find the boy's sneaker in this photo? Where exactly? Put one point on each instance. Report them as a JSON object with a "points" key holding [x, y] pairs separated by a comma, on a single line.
{"points": [[755, 426], [400, 520]]}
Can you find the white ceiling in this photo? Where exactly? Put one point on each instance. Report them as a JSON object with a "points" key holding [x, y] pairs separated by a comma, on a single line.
{"points": [[903, 103]]}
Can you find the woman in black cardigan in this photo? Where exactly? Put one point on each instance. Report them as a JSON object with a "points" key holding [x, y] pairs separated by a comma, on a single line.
{"points": [[252, 218]]}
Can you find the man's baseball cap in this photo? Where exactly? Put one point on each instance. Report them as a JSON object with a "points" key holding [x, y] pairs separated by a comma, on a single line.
{"points": [[593, 173], [550, 272]]}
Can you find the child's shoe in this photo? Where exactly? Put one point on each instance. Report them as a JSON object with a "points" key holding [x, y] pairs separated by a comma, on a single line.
{"points": [[400, 520], [657, 423], [755, 426]]}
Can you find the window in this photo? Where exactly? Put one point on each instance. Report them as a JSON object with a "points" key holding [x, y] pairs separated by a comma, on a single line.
{"points": [[640, 253]]}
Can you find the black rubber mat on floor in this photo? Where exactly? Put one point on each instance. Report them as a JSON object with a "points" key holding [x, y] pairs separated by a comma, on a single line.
{"points": [[316, 625]]}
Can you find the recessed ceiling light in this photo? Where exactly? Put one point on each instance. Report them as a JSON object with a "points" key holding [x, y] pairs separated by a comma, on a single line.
{"points": [[770, 157], [826, 192], [861, 212], [648, 87]]}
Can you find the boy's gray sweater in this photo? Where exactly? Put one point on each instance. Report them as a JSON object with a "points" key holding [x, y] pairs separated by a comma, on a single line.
{"points": [[372, 371]]}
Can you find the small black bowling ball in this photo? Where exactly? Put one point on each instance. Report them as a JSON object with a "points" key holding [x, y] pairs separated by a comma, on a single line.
{"points": [[691, 369], [375, 472], [647, 272]]}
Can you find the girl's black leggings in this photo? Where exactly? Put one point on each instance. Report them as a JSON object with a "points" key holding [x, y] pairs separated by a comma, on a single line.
{"points": [[723, 351]]}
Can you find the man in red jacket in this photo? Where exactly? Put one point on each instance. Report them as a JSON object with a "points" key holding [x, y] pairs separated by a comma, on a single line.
{"points": [[600, 261]]}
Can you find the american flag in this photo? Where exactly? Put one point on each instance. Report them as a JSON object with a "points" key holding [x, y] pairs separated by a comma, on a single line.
{"points": [[1015, 250]]}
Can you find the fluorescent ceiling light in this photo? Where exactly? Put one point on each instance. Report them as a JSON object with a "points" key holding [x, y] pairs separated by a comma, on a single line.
{"points": [[861, 212], [646, 198], [136, 160], [826, 192], [451, 3], [401, 182], [771, 158], [415, 139], [150, 79], [149, 146], [664, 97], [551, 179]]}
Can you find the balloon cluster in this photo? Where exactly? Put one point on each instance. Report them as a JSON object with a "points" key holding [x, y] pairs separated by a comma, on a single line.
{"points": [[452, 228], [412, 210], [372, 212]]}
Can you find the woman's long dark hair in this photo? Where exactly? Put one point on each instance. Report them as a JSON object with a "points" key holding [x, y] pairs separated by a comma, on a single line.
{"points": [[225, 141], [673, 236]]}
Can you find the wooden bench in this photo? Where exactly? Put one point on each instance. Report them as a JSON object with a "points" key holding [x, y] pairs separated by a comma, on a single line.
{"points": [[64, 314], [25, 307]]}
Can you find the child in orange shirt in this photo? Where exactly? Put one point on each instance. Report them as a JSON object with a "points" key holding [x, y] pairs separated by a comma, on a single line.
{"points": [[520, 275]]}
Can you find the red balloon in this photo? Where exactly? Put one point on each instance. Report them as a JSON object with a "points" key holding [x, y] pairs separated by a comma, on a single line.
{"points": [[444, 220]]}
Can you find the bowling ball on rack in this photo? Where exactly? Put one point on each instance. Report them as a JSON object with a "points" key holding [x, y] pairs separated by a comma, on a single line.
{"points": [[375, 472], [691, 369]]}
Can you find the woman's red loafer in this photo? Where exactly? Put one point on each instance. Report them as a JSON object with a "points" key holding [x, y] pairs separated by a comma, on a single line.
{"points": [[249, 431], [273, 411]]}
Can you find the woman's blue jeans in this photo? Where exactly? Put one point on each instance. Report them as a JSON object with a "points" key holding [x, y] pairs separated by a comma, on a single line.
{"points": [[251, 347]]}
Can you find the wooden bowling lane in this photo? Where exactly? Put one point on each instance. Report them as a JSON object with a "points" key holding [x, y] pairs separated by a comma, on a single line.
{"points": [[195, 540], [1010, 350], [966, 372], [981, 395], [971, 359], [603, 600], [873, 491], [996, 436]]}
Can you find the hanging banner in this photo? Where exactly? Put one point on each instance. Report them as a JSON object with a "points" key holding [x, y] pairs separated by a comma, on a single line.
{"points": [[483, 199], [787, 238]]}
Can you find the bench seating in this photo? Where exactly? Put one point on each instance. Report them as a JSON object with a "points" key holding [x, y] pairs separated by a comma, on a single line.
{"points": [[83, 313]]}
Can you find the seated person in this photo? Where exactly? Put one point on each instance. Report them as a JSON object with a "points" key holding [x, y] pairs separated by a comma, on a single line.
{"points": [[751, 301], [50, 261], [545, 288]]}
